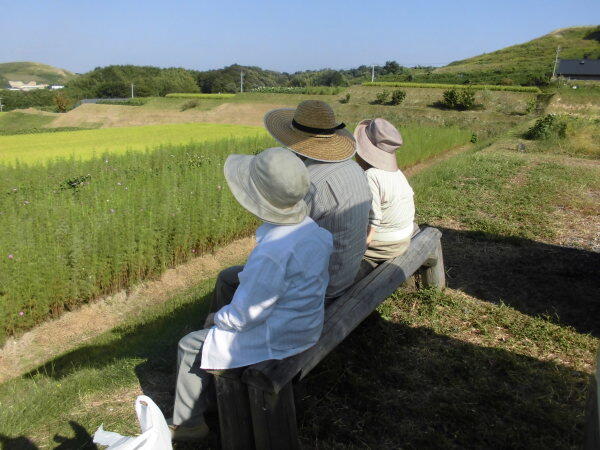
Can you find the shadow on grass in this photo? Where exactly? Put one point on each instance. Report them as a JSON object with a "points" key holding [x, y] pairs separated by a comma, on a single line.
{"points": [[81, 440], [390, 385], [538, 279], [442, 106]]}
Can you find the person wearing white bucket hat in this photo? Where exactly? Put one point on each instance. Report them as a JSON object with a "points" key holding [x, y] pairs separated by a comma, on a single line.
{"points": [[392, 215], [278, 308]]}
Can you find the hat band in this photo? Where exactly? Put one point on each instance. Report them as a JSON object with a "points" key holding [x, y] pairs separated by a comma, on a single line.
{"points": [[312, 130]]}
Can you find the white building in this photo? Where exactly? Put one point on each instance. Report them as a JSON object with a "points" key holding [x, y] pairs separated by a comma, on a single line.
{"points": [[20, 86]]}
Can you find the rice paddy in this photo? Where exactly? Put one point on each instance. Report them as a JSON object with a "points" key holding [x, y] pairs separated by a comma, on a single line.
{"points": [[87, 144]]}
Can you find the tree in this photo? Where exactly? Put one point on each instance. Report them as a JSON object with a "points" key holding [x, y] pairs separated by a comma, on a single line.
{"points": [[392, 68]]}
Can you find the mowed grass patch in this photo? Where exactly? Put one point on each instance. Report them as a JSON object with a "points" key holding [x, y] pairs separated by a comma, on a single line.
{"points": [[501, 193], [87, 144], [73, 230]]}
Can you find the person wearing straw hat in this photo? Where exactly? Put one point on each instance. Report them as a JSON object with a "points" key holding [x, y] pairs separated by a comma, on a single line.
{"points": [[392, 215], [277, 310], [339, 198]]}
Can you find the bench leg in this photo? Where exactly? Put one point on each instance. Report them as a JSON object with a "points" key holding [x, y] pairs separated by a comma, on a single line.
{"points": [[274, 418], [235, 420], [433, 274]]}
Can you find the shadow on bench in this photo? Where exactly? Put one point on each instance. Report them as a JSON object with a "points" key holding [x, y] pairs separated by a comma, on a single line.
{"points": [[256, 403]]}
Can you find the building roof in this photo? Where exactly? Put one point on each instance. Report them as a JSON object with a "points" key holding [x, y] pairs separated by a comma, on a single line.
{"points": [[579, 67]]}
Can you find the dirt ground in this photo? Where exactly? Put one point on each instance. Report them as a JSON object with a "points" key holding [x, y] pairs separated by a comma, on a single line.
{"points": [[107, 116]]}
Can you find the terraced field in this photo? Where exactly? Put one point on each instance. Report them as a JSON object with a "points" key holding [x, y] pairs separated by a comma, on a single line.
{"points": [[86, 144]]}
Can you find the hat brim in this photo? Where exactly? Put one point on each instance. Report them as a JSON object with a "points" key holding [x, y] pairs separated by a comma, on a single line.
{"points": [[335, 147], [370, 153], [237, 174]]}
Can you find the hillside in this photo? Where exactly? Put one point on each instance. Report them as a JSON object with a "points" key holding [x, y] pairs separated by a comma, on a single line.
{"points": [[32, 71], [536, 56]]}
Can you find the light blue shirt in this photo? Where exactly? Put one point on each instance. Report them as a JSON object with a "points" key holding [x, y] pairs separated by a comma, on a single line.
{"points": [[278, 308]]}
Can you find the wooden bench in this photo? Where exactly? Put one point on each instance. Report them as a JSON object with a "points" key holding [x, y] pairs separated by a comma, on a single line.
{"points": [[256, 403]]}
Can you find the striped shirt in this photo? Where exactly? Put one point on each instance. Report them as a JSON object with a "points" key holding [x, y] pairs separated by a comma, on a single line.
{"points": [[339, 200]]}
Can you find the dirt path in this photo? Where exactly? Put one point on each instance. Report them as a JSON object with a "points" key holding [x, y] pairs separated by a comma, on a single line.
{"points": [[54, 337]]}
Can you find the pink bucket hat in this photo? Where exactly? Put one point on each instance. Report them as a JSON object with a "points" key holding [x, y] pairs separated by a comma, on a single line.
{"points": [[377, 141]]}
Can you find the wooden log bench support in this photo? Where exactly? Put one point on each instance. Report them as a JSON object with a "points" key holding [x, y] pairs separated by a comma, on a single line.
{"points": [[267, 387]]}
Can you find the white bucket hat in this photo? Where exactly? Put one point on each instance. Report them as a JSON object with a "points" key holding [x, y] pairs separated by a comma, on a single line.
{"points": [[378, 141], [271, 185]]}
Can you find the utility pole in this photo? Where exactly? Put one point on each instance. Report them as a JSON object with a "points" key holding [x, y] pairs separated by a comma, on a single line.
{"points": [[372, 73], [241, 81], [1, 105], [555, 62], [131, 90]]}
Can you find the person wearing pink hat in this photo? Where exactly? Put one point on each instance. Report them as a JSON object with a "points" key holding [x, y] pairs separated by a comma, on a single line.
{"points": [[392, 215]]}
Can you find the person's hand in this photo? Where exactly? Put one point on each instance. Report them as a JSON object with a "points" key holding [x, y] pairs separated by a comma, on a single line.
{"points": [[210, 320]]}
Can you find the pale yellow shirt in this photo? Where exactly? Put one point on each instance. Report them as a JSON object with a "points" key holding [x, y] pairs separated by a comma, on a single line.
{"points": [[392, 209]]}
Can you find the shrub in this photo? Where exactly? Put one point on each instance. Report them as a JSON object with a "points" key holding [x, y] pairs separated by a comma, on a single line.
{"points": [[474, 138], [193, 95], [489, 87], [531, 106], [307, 90], [398, 97], [546, 127], [189, 105], [381, 98], [62, 102], [507, 82], [345, 99], [19, 99], [459, 99]]}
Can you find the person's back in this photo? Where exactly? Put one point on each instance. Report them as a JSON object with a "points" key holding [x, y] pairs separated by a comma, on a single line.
{"points": [[339, 200], [393, 209]]}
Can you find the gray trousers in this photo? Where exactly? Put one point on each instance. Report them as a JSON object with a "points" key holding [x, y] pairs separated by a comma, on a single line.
{"points": [[194, 391]]}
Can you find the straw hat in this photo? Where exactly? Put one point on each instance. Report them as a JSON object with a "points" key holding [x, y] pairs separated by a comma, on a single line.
{"points": [[271, 185], [377, 142], [312, 131]]}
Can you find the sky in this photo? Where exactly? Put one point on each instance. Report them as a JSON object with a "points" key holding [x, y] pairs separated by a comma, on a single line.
{"points": [[80, 35]]}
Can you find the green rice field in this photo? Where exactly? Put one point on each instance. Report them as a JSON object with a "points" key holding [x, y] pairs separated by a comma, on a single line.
{"points": [[86, 144], [74, 227]]}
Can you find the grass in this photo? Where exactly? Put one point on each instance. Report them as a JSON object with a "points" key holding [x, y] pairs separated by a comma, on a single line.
{"points": [[16, 121], [500, 193], [307, 90], [502, 364], [76, 229], [88, 144], [71, 231], [535, 55], [489, 87], [422, 143], [208, 96]]}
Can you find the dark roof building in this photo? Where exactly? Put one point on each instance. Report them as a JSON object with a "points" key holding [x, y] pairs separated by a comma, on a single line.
{"points": [[579, 69]]}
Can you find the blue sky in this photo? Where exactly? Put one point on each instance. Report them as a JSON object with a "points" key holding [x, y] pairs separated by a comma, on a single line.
{"points": [[281, 35]]}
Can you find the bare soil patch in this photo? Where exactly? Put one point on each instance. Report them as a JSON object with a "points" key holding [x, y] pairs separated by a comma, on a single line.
{"points": [[127, 116], [20, 354]]}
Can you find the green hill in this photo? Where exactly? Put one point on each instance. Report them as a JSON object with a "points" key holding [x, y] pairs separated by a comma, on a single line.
{"points": [[533, 58], [32, 71]]}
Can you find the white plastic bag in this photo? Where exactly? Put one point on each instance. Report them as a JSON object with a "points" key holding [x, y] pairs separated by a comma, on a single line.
{"points": [[155, 432]]}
